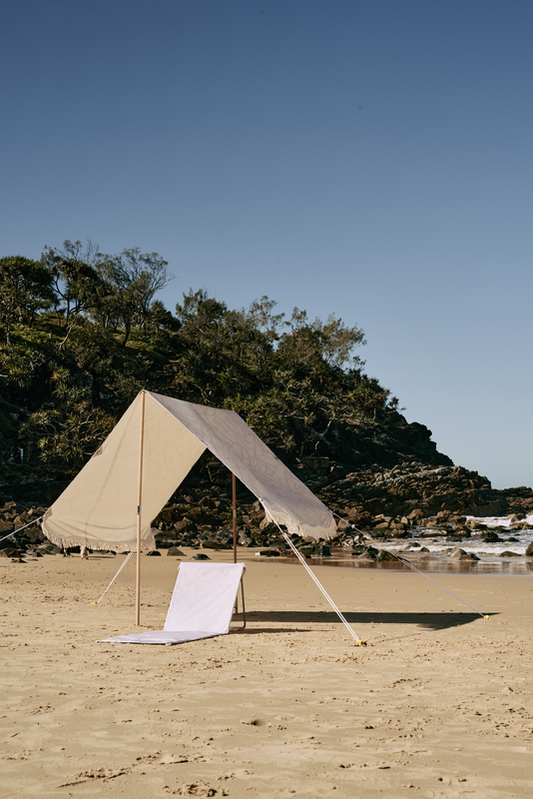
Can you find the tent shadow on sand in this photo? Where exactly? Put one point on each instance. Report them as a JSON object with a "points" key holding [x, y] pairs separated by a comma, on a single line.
{"points": [[426, 621]]}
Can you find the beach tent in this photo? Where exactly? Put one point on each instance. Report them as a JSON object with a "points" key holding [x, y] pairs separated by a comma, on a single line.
{"points": [[112, 502]]}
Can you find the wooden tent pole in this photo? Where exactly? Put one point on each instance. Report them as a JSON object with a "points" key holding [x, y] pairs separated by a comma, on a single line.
{"points": [[139, 505], [234, 506]]}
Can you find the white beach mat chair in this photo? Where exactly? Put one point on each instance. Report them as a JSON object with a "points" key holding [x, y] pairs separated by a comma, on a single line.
{"points": [[201, 606]]}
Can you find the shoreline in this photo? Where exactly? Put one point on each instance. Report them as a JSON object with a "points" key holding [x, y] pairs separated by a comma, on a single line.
{"points": [[432, 564]]}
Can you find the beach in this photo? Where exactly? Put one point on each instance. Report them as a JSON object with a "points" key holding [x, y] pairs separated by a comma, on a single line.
{"points": [[437, 704]]}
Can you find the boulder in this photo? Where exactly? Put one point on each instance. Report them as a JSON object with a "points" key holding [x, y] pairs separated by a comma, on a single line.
{"points": [[10, 552], [368, 553], [383, 555], [460, 554], [182, 525], [6, 527], [456, 553]]}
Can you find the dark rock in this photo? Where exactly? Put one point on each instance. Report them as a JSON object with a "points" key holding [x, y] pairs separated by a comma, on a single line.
{"points": [[8, 543], [368, 553], [460, 554], [153, 553], [529, 550], [174, 551], [457, 553], [508, 554], [182, 525], [491, 537], [6, 527], [384, 555], [162, 544], [10, 552], [400, 533], [47, 548], [200, 556]]}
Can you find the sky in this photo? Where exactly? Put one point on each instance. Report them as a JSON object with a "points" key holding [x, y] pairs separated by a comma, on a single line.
{"points": [[371, 160]]}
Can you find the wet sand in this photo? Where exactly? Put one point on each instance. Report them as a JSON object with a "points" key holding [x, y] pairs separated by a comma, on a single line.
{"points": [[438, 704]]}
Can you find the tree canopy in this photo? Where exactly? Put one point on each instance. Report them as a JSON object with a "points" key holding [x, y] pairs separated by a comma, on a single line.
{"points": [[81, 333]]}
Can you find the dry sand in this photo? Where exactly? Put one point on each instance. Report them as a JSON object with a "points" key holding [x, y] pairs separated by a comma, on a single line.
{"points": [[439, 704]]}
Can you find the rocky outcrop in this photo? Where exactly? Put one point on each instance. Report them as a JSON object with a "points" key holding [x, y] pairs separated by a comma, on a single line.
{"points": [[384, 477], [423, 492]]}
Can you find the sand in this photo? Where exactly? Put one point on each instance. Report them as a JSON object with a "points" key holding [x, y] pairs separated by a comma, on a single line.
{"points": [[438, 704]]}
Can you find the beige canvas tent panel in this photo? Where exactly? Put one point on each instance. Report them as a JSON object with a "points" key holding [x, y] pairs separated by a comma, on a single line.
{"points": [[99, 508]]}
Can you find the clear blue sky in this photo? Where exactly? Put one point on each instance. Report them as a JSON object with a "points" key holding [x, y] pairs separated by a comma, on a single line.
{"points": [[368, 159]]}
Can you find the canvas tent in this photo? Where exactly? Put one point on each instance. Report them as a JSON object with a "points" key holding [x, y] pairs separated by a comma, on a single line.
{"points": [[111, 503], [113, 500]]}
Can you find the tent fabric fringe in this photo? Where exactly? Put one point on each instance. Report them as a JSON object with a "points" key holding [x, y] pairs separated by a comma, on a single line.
{"points": [[74, 541]]}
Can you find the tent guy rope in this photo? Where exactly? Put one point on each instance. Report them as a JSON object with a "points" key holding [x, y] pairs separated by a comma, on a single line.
{"points": [[413, 568], [358, 641], [126, 559]]}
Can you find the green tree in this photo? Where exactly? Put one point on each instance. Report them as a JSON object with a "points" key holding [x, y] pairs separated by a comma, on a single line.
{"points": [[131, 278], [25, 289], [77, 284], [66, 432], [222, 353], [329, 343]]}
